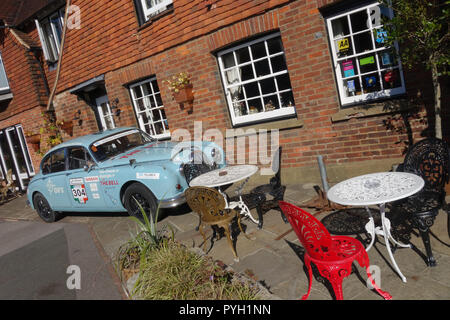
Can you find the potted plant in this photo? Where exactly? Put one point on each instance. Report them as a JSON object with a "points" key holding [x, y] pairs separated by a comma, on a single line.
{"points": [[181, 87], [33, 139], [66, 126]]}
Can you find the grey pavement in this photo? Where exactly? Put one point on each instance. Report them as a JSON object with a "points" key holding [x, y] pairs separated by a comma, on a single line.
{"points": [[273, 256]]}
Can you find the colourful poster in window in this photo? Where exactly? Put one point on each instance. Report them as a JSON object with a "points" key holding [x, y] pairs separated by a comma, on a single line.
{"points": [[371, 81], [348, 68], [343, 45], [386, 59], [351, 85], [381, 36], [368, 60], [390, 76]]}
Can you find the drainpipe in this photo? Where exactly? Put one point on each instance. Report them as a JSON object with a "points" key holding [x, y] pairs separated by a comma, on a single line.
{"points": [[323, 173], [58, 69]]}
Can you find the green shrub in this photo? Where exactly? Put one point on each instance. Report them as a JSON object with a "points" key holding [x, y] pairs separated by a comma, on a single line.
{"points": [[171, 271]]}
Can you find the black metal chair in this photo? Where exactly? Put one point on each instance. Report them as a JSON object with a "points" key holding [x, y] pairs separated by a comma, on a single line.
{"points": [[258, 197], [428, 158]]}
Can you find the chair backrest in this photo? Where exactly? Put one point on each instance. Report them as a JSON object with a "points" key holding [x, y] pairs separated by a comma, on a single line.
{"points": [[429, 158], [9, 178], [276, 167], [208, 203], [314, 237], [192, 170]]}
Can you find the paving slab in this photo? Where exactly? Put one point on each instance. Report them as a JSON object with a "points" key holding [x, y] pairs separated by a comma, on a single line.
{"points": [[274, 257]]}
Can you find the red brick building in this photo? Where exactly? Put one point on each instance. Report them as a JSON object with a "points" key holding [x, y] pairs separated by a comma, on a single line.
{"points": [[315, 70]]}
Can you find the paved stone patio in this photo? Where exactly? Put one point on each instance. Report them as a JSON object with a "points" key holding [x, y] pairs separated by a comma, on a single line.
{"points": [[276, 260]]}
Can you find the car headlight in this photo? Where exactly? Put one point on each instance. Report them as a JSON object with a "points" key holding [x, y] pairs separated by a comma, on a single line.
{"points": [[216, 155]]}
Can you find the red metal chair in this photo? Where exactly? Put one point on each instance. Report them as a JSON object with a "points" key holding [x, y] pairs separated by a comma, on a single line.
{"points": [[333, 255]]}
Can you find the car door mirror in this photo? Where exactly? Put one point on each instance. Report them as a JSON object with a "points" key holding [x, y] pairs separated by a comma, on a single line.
{"points": [[89, 166]]}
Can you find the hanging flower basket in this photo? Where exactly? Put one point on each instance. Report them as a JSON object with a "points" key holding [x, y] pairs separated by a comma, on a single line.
{"points": [[184, 95], [67, 126], [181, 87], [34, 141]]}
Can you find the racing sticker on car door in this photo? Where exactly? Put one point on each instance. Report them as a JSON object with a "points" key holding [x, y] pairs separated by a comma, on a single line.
{"points": [[78, 190]]}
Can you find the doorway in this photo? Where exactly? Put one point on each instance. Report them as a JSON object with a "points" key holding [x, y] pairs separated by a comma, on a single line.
{"points": [[15, 156], [105, 113]]}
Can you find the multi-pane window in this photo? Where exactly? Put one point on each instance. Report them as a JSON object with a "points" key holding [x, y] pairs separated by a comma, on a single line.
{"points": [[4, 86], [78, 158], [365, 68], [54, 162], [256, 80], [50, 32], [149, 108], [151, 8]]}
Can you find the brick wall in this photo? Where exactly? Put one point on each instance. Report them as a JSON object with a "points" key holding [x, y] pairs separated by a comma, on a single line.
{"points": [[111, 43]]}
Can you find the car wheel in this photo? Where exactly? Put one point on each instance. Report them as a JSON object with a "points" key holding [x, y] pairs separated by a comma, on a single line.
{"points": [[43, 208], [140, 193]]}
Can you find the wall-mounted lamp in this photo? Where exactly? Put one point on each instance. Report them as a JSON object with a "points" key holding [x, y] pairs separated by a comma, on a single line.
{"points": [[77, 116], [115, 106]]}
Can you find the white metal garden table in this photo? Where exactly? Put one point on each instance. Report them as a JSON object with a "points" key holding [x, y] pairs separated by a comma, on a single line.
{"points": [[377, 189], [226, 176]]}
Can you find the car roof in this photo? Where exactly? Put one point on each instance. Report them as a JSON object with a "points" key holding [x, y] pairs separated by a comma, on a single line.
{"points": [[86, 140]]}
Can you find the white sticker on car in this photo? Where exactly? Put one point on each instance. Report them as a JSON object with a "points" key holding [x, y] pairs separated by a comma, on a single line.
{"points": [[76, 181], [52, 188], [96, 196], [78, 190], [147, 175], [94, 187]]}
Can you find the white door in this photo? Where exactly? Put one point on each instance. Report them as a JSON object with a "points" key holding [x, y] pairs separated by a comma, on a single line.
{"points": [[105, 113]]}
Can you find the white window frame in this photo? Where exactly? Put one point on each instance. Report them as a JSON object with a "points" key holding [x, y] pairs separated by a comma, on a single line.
{"points": [[264, 115], [155, 9], [148, 109], [102, 115], [384, 92], [3, 72], [51, 50]]}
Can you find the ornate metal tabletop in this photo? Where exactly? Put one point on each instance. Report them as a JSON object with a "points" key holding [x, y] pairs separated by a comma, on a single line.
{"points": [[224, 176], [375, 188]]}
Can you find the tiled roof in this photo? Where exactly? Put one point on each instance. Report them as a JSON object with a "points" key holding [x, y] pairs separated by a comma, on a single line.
{"points": [[14, 12]]}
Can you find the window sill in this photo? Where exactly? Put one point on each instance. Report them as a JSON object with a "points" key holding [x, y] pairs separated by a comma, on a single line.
{"points": [[5, 95], [372, 109], [272, 125], [154, 18]]}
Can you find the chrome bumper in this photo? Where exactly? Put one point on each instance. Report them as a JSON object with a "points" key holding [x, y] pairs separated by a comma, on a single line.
{"points": [[173, 202]]}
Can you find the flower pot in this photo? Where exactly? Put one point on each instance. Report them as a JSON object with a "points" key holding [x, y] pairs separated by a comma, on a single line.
{"points": [[184, 95], [67, 126], [34, 141]]}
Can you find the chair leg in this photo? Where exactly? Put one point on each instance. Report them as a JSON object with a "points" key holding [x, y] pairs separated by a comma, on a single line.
{"points": [[240, 228], [425, 234], [424, 221], [214, 228], [382, 293], [448, 223], [310, 276], [230, 242], [336, 283], [200, 229], [260, 216]]}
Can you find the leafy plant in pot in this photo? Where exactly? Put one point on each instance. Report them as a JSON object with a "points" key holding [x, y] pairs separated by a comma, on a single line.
{"points": [[33, 139], [181, 87]]}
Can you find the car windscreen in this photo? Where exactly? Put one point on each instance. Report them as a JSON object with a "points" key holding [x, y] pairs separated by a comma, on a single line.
{"points": [[118, 143]]}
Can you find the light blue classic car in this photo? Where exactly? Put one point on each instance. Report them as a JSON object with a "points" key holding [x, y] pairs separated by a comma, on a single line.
{"points": [[109, 171]]}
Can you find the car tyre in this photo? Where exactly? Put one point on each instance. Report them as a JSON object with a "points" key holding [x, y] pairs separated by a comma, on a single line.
{"points": [[43, 208], [144, 196]]}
